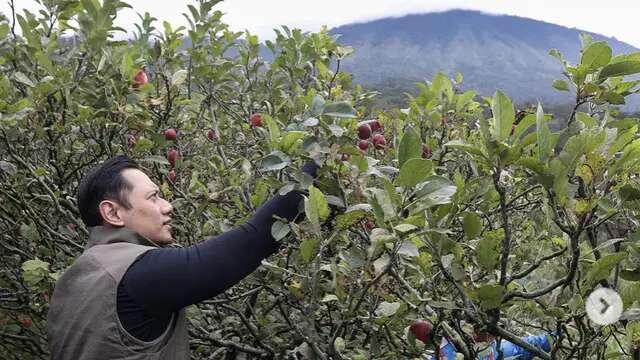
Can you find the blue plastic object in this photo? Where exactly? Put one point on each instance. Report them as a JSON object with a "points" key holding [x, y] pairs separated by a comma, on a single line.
{"points": [[448, 351]]}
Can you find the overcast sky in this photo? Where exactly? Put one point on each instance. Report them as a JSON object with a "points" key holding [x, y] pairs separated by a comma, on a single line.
{"points": [[617, 18]]}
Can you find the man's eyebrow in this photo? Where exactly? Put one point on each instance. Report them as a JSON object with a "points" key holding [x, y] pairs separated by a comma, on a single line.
{"points": [[150, 192]]}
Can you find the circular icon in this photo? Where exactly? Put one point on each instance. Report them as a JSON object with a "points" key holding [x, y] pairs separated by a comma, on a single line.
{"points": [[604, 306]]}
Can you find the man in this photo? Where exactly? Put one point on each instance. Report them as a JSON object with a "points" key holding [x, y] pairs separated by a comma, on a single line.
{"points": [[124, 296]]}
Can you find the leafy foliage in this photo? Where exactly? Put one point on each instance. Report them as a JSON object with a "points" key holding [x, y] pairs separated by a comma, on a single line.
{"points": [[503, 225]]}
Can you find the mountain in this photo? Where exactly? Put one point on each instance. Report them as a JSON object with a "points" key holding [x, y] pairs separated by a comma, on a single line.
{"points": [[491, 51]]}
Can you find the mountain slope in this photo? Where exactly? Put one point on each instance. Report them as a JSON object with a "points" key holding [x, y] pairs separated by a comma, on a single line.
{"points": [[491, 51]]}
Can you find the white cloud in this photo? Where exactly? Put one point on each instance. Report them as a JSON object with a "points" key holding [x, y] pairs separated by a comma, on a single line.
{"points": [[612, 18]]}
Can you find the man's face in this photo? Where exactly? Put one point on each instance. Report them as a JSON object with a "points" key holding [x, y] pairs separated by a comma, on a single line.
{"points": [[149, 215]]}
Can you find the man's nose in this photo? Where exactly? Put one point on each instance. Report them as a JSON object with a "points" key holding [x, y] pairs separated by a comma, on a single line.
{"points": [[168, 208]]}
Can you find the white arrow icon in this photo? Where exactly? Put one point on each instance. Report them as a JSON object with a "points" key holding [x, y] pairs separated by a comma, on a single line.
{"points": [[604, 306]]}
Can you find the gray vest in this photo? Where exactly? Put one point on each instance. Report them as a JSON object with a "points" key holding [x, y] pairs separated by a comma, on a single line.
{"points": [[83, 323]]}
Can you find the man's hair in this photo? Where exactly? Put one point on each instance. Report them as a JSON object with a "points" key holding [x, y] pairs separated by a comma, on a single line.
{"points": [[104, 182]]}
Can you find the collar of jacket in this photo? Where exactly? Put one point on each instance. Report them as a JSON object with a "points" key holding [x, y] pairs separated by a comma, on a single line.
{"points": [[108, 234]]}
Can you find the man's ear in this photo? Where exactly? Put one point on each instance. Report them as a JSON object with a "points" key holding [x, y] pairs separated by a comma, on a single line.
{"points": [[111, 213]]}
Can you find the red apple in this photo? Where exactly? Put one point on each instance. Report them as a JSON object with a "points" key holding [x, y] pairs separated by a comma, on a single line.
{"points": [[171, 175], [369, 224], [211, 135], [26, 322], [172, 156], [170, 134], [375, 125], [363, 145], [422, 329], [426, 152], [379, 141], [364, 131], [140, 78], [256, 120]]}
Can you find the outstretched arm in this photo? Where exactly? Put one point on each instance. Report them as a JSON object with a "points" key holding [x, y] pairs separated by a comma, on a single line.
{"points": [[167, 279]]}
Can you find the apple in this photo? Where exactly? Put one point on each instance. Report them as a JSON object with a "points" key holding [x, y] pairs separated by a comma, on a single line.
{"points": [[422, 330], [379, 141], [364, 131], [256, 120], [171, 175], [426, 152], [211, 135], [140, 78], [363, 145], [375, 125], [172, 155], [26, 322], [170, 134], [369, 224]]}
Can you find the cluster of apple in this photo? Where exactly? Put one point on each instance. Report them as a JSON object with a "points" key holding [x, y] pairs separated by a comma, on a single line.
{"points": [[365, 129]]}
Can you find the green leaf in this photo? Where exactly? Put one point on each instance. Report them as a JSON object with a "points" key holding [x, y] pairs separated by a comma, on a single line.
{"points": [[544, 138], [157, 159], [317, 105], [602, 268], [387, 309], [621, 68], [414, 171], [279, 230], [587, 120], [596, 55], [178, 77], [624, 137], [273, 129], [468, 148], [405, 227], [560, 85], [22, 78], [436, 191], [488, 249], [524, 124], [289, 139], [308, 249], [4, 30], [503, 115], [410, 146], [276, 160], [581, 144], [472, 224], [489, 296], [316, 207], [341, 109], [346, 220], [34, 271], [464, 99]]}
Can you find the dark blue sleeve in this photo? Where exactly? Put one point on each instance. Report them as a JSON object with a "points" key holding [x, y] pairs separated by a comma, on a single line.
{"points": [[167, 279]]}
